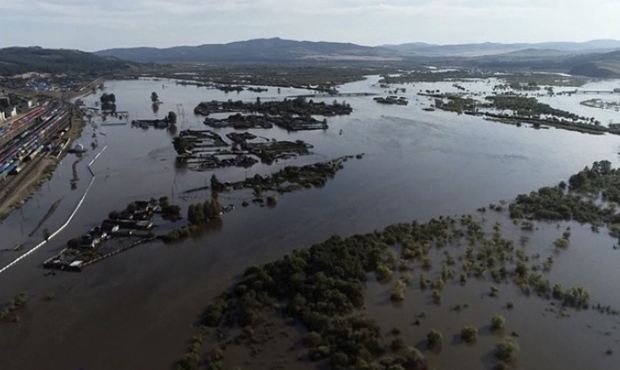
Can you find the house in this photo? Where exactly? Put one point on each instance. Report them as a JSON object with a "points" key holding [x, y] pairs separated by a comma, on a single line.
{"points": [[8, 109], [20, 102], [110, 227], [88, 241], [94, 238], [98, 232]]}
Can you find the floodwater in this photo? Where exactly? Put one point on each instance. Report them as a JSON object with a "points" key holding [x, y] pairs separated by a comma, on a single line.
{"points": [[135, 310], [546, 339]]}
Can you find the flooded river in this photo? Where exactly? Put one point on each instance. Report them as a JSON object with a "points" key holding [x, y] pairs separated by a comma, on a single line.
{"points": [[135, 310]]}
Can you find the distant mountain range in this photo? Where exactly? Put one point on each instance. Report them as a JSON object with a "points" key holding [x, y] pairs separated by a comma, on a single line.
{"points": [[276, 49], [598, 58], [489, 48], [258, 50], [17, 60]]}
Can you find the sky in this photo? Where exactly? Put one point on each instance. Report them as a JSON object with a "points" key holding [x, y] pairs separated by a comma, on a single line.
{"points": [[100, 24]]}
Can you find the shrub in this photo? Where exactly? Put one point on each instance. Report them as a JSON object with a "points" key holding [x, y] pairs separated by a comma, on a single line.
{"points": [[506, 350], [557, 291], [384, 273], [397, 344], [427, 263], [423, 282], [413, 358], [494, 291], [434, 339], [313, 339], [272, 201], [561, 243], [318, 353], [339, 359], [498, 322], [214, 313], [469, 334], [398, 292]]}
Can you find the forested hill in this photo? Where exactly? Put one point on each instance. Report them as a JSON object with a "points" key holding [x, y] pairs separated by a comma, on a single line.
{"points": [[15, 60]]}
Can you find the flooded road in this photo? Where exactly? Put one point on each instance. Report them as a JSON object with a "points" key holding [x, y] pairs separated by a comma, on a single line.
{"points": [[135, 310]]}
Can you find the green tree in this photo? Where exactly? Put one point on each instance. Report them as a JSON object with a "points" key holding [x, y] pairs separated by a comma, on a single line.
{"points": [[434, 339], [498, 322], [469, 334], [171, 118]]}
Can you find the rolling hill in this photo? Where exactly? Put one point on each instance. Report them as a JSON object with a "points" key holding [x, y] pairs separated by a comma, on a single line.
{"points": [[603, 65], [594, 58], [258, 50], [15, 60], [489, 48]]}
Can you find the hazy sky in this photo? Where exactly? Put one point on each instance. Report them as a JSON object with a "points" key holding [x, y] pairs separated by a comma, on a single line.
{"points": [[99, 24]]}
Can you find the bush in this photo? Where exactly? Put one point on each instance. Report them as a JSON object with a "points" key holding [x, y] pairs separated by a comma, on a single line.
{"points": [[398, 292], [318, 353], [423, 282], [434, 339], [384, 273], [214, 313], [212, 209], [413, 358], [469, 334], [561, 243], [339, 359], [272, 201], [577, 297], [506, 350], [498, 322], [557, 291], [397, 344], [313, 339]]}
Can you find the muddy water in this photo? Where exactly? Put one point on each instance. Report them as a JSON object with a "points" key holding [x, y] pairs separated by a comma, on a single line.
{"points": [[134, 311], [546, 340]]}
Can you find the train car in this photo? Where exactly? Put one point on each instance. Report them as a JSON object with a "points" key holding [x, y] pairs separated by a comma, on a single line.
{"points": [[5, 169], [11, 169], [33, 154]]}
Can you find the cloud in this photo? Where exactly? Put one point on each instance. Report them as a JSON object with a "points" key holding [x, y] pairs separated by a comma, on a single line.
{"points": [[95, 24]]}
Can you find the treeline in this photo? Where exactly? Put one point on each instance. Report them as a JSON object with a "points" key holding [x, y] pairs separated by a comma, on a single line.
{"points": [[579, 200], [287, 107], [529, 107], [17, 60]]}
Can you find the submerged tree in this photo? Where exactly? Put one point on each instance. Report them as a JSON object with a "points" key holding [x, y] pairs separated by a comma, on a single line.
{"points": [[506, 350], [434, 339], [498, 322], [469, 334], [171, 118]]}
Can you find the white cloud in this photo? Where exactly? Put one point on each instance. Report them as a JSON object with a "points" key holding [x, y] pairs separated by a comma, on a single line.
{"points": [[95, 24]]}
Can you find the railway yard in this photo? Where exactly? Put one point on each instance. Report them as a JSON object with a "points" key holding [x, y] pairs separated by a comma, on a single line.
{"points": [[30, 143]]}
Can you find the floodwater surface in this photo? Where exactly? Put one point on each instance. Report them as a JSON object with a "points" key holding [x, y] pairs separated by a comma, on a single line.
{"points": [[135, 310]]}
